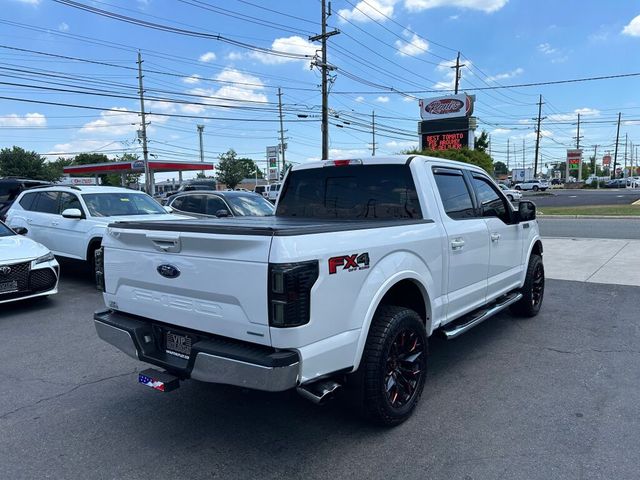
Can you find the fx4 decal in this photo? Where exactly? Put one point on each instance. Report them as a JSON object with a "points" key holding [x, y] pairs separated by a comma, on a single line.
{"points": [[351, 263]]}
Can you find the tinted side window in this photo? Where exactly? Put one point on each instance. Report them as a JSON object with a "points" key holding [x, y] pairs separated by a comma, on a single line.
{"points": [[69, 200], [46, 202], [492, 203], [26, 202], [455, 195], [214, 204], [192, 203]]}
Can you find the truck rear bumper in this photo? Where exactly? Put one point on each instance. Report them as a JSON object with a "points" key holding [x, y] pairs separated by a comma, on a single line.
{"points": [[211, 358]]}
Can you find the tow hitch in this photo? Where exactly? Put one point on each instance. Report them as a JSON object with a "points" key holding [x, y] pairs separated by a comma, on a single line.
{"points": [[161, 381]]}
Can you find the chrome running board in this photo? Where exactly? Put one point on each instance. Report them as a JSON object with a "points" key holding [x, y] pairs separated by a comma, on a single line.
{"points": [[458, 327]]}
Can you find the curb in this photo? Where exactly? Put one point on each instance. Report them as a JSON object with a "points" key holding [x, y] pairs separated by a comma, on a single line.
{"points": [[592, 217]]}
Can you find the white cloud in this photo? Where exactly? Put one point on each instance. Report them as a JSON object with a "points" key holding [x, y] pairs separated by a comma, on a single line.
{"points": [[159, 106], [454, 17], [235, 56], [368, 11], [382, 99], [506, 75], [82, 146], [565, 117], [118, 121], [63, 27], [359, 99], [633, 28], [192, 79], [408, 99], [547, 49], [27, 120], [524, 121], [237, 87], [348, 153], [293, 45], [29, 2], [405, 144], [414, 46], [487, 6], [500, 131], [543, 133], [207, 57]]}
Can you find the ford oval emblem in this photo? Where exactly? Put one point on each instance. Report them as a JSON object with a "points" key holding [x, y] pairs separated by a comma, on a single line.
{"points": [[168, 271]]}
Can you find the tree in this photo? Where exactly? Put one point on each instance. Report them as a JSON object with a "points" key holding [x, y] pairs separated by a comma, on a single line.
{"points": [[231, 171], [500, 168], [54, 170], [129, 178], [18, 162], [474, 157], [481, 143]]}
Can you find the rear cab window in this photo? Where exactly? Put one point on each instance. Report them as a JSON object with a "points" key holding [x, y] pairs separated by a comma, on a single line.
{"points": [[350, 192]]}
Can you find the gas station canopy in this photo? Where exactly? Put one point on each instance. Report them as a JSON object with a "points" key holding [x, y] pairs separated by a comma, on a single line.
{"points": [[136, 166]]}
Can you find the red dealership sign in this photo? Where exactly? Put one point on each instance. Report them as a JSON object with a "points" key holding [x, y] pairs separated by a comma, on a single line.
{"points": [[606, 160]]}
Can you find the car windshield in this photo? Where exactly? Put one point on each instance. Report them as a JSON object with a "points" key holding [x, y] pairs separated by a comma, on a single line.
{"points": [[250, 205], [117, 204], [5, 231]]}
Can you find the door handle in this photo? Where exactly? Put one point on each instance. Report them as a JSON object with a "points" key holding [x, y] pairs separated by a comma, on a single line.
{"points": [[457, 244], [495, 237]]}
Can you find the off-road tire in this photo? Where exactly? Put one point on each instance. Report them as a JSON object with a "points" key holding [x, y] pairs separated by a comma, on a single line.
{"points": [[532, 290], [389, 324]]}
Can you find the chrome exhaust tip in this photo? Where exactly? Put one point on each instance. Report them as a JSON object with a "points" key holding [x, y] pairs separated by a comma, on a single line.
{"points": [[319, 392]]}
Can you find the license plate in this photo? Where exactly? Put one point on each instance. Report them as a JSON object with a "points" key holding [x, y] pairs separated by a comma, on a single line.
{"points": [[8, 287], [178, 345]]}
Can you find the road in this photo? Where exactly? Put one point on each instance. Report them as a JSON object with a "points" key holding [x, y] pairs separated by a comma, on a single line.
{"points": [[572, 198], [590, 228], [552, 397]]}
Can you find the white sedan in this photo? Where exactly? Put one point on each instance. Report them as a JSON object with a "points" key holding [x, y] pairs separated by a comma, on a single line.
{"points": [[510, 194], [27, 268]]}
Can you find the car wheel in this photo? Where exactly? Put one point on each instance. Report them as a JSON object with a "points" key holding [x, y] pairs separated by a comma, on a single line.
{"points": [[535, 188], [394, 365], [517, 187], [533, 289], [510, 197]]}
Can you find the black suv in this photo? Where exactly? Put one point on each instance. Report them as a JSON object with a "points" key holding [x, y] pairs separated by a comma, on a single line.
{"points": [[10, 188]]}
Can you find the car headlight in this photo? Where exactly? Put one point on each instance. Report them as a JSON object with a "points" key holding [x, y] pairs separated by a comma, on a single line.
{"points": [[45, 258]]}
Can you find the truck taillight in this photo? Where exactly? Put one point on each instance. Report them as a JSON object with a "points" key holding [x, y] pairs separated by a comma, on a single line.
{"points": [[290, 292], [99, 268]]}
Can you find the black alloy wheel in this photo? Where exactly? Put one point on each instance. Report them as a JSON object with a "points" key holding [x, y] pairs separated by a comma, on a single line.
{"points": [[537, 287], [532, 290], [403, 368]]}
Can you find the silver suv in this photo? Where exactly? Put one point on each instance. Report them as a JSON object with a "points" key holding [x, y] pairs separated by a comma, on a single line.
{"points": [[534, 185]]}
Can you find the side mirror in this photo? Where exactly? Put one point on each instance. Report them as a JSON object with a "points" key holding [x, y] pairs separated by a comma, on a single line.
{"points": [[526, 211], [168, 209], [21, 230], [72, 213], [222, 213]]}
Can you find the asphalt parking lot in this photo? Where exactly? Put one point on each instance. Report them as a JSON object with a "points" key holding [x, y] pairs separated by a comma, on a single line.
{"points": [[573, 198], [552, 397]]}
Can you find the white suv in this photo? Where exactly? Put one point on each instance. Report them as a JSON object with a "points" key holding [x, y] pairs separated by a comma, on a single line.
{"points": [[71, 221], [534, 185]]}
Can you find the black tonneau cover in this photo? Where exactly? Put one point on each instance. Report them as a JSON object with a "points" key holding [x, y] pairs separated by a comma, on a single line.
{"points": [[268, 226]]}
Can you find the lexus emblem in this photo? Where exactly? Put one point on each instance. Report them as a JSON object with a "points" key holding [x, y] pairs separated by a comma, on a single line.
{"points": [[5, 270], [168, 271]]}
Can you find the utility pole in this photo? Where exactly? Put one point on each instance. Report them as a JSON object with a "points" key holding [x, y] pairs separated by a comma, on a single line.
{"points": [[615, 155], [200, 130], [325, 68], [457, 66], [626, 140], [508, 169], [535, 164], [578, 137], [148, 181], [373, 133], [595, 164], [282, 144], [523, 167]]}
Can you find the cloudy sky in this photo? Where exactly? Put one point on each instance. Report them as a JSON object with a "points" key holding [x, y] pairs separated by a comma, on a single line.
{"points": [[69, 75]]}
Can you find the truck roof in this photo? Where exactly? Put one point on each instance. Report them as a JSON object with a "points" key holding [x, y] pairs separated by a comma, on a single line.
{"points": [[387, 160]]}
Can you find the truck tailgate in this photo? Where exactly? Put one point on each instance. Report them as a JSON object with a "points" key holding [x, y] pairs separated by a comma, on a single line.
{"points": [[210, 282]]}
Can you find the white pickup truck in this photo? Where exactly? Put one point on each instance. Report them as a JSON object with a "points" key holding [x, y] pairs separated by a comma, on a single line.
{"points": [[363, 261]]}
